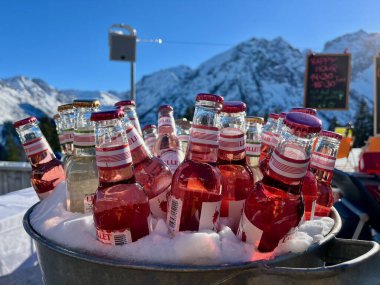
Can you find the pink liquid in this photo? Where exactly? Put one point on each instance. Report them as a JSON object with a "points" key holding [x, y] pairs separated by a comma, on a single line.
{"points": [[325, 199], [194, 183], [309, 193], [265, 148]]}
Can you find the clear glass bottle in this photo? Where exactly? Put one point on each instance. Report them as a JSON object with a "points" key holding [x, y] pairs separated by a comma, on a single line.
{"points": [[150, 171], [316, 191], [267, 140], [253, 144], [47, 170], [67, 122], [183, 131], [275, 205], [130, 113], [82, 172], [168, 146], [150, 136], [196, 186], [61, 138], [120, 205], [237, 176]]}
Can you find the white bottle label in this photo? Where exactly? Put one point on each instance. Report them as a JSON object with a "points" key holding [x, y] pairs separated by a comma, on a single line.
{"points": [[166, 121], [113, 157], [134, 139], [284, 164], [84, 138], [232, 140], [174, 216], [36, 146], [253, 149], [322, 161], [159, 204], [114, 237], [172, 158], [204, 136], [248, 232], [136, 124], [150, 142], [184, 138], [235, 209], [266, 137], [87, 203], [210, 213]]}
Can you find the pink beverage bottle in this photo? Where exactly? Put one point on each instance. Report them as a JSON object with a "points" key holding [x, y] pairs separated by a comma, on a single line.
{"points": [[253, 144], [67, 122], [237, 176], [168, 146], [120, 205], [266, 140], [130, 113], [150, 136], [82, 171], [321, 168], [58, 127], [309, 111], [47, 170], [196, 194], [183, 131], [275, 205], [150, 172]]}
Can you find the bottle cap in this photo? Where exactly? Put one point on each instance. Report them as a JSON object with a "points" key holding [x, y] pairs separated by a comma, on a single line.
{"points": [[331, 135], [147, 127], [83, 103], [64, 107], [303, 122], [56, 116], [107, 115], [233, 107], [209, 97], [283, 115], [126, 103], [309, 111], [24, 121], [167, 107], [273, 116], [252, 119]]}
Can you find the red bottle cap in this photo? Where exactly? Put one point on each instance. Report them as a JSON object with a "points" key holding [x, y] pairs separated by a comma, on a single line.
{"points": [[309, 111], [331, 135], [273, 116], [107, 115], [283, 115], [126, 103], [209, 97], [163, 107], [24, 122], [149, 127], [234, 107], [303, 122]]}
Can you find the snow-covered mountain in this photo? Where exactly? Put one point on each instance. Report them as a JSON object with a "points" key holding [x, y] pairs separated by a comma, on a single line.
{"points": [[266, 74]]}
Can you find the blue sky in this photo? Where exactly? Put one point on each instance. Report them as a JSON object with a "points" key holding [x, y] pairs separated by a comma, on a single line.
{"points": [[65, 42]]}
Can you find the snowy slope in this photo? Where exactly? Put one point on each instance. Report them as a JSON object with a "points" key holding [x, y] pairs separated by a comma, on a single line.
{"points": [[267, 74]]}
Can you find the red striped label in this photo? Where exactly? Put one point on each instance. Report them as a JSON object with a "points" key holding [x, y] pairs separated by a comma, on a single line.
{"points": [[68, 135], [61, 138], [134, 138], [253, 149], [36, 146], [184, 138], [275, 138], [113, 157], [287, 165], [84, 139], [322, 161], [232, 140], [166, 121], [266, 137], [205, 136], [135, 123]]}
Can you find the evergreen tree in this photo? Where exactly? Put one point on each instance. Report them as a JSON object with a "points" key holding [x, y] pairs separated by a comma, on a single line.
{"points": [[12, 150], [47, 126], [333, 124], [363, 123]]}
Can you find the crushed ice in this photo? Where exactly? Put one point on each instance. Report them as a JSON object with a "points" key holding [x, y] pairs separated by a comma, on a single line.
{"points": [[76, 231]]}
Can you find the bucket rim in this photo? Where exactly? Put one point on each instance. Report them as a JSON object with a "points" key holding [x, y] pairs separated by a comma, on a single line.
{"points": [[152, 266]]}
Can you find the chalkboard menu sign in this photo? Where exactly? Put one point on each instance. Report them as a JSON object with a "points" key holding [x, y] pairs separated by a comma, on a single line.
{"points": [[377, 97], [327, 80]]}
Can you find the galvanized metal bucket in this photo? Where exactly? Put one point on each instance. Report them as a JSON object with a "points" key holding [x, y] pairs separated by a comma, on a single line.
{"points": [[60, 265]]}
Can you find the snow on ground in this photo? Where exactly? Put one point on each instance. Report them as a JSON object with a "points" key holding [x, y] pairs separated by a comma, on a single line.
{"points": [[76, 231]]}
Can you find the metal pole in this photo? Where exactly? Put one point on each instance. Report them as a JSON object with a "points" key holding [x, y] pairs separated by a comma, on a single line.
{"points": [[133, 97]]}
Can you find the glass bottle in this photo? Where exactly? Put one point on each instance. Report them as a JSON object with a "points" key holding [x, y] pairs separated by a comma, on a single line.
{"points": [[196, 194], [269, 129], [150, 171], [61, 138], [120, 205], [130, 113], [82, 172], [183, 131], [67, 122], [47, 170], [318, 195], [150, 136], [253, 144], [275, 205], [237, 176], [168, 146]]}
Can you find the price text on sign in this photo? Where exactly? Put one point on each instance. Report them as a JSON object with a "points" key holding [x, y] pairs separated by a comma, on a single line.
{"points": [[327, 80]]}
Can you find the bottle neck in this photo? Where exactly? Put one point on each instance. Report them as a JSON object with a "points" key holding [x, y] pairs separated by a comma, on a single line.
{"points": [[166, 123], [253, 143], [132, 117], [138, 148]]}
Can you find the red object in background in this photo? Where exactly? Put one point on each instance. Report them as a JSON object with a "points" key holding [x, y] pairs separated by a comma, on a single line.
{"points": [[369, 162]]}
